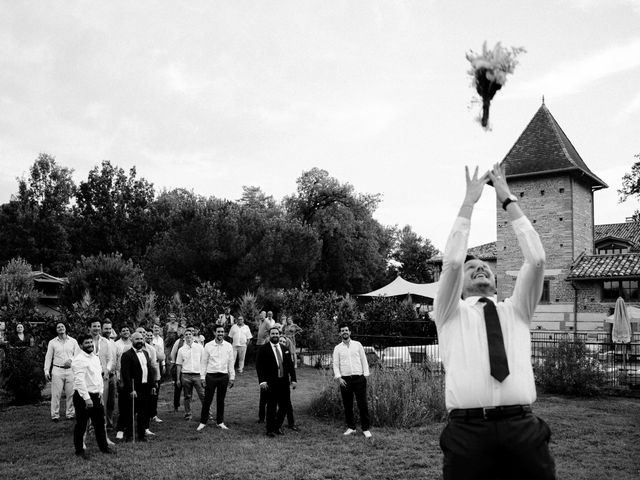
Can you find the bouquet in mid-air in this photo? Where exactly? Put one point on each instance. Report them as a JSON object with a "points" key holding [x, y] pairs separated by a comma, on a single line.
{"points": [[489, 71]]}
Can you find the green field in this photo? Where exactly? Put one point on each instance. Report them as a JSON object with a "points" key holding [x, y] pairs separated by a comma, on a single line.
{"points": [[592, 439]]}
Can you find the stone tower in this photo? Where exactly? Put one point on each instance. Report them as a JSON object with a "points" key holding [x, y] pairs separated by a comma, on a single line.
{"points": [[555, 191]]}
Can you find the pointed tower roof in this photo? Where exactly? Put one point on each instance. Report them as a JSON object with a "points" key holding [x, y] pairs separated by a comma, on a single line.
{"points": [[543, 149]]}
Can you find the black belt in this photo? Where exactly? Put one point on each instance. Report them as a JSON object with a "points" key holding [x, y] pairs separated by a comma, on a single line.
{"points": [[351, 377], [61, 366], [492, 413]]}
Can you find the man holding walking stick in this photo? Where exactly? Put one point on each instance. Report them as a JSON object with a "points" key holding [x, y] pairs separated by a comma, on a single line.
{"points": [[138, 378]]}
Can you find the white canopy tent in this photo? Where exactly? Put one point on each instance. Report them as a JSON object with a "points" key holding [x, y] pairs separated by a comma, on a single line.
{"points": [[400, 286]]}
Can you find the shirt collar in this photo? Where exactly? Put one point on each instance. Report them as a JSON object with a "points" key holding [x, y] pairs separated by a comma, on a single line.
{"points": [[472, 300]]}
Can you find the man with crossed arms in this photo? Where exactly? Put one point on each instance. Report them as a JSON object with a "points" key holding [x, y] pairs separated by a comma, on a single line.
{"points": [[486, 351]]}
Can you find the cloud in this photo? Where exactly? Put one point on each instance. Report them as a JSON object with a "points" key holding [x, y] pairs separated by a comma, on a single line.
{"points": [[632, 107], [573, 77]]}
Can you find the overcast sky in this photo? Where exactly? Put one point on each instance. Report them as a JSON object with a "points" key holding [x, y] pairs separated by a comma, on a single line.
{"points": [[211, 96]]}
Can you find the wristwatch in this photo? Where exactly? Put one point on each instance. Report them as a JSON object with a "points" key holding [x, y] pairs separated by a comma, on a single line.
{"points": [[508, 200]]}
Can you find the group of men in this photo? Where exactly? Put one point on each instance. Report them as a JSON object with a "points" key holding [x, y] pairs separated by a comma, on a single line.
{"points": [[485, 346]]}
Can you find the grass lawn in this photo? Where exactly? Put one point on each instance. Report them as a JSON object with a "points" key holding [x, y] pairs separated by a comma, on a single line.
{"points": [[592, 439]]}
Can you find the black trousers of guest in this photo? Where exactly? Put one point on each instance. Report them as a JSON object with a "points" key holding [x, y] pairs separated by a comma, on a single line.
{"points": [[83, 414], [153, 404], [141, 405], [262, 406], [278, 399], [356, 386], [124, 409], [515, 447], [177, 390], [219, 381]]}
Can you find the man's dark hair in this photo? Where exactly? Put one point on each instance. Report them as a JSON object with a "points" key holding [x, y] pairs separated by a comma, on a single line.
{"points": [[217, 327], [125, 326], [342, 325], [274, 328], [91, 321], [107, 320], [82, 337], [470, 257]]}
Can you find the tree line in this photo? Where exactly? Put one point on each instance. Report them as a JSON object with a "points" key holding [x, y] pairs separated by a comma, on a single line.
{"points": [[323, 236]]}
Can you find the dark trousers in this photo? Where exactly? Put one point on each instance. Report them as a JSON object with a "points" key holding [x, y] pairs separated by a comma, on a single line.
{"points": [[516, 447], [219, 381], [153, 404], [177, 390], [124, 412], [356, 386], [110, 401], [278, 398], [83, 414], [141, 405], [262, 405]]}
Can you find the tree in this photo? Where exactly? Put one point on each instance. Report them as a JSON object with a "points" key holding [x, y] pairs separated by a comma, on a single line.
{"points": [[35, 223], [354, 245], [113, 212], [116, 286], [631, 186], [412, 252]]}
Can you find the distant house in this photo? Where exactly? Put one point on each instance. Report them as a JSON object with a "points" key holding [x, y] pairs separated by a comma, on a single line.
{"points": [[49, 289], [588, 266]]}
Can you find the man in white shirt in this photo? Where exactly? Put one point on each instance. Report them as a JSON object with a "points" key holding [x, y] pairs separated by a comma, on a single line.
{"points": [[188, 370], [216, 372], [156, 340], [123, 344], [87, 397], [102, 350], [240, 334], [110, 382], [57, 368], [351, 369], [486, 351]]}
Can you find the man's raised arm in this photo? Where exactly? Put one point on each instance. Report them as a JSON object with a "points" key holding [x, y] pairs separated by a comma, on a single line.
{"points": [[450, 283], [528, 287]]}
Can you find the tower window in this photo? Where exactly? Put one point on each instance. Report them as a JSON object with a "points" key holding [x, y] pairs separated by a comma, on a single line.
{"points": [[542, 193], [561, 190], [521, 194], [560, 218]]}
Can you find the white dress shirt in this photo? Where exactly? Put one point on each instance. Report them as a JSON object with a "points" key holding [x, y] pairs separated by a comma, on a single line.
{"points": [[217, 358], [462, 333], [143, 364], [190, 357], [87, 374], [350, 359], [59, 351], [240, 335], [121, 347]]}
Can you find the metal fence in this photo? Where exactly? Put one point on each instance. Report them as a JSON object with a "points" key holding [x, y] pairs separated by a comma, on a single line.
{"points": [[620, 363]]}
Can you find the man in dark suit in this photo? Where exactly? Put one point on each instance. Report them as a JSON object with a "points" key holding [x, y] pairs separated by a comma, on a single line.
{"points": [[275, 370], [138, 378]]}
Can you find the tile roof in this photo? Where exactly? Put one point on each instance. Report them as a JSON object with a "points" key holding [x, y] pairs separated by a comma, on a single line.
{"points": [[543, 148], [627, 231], [623, 265], [486, 251]]}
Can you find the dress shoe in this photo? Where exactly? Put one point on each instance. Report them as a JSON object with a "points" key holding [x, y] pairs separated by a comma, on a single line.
{"points": [[294, 428], [271, 435], [82, 455], [157, 419], [149, 432], [55, 420], [223, 426], [109, 451], [200, 427], [349, 431]]}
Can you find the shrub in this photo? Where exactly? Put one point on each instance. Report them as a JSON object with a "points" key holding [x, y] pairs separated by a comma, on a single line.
{"points": [[569, 369], [403, 397], [22, 374]]}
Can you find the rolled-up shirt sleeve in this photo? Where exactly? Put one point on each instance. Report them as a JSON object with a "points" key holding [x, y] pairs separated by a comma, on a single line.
{"points": [[450, 283], [79, 368], [529, 283]]}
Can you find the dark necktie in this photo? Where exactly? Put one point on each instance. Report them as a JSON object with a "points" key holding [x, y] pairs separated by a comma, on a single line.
{"points": [[279, 355], [497, 353]]}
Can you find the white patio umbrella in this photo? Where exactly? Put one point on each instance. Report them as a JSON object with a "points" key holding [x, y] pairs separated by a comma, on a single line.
{"points": [[621, 332]]}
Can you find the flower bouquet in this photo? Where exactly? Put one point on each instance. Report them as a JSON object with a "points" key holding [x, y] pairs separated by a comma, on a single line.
{"points": [[489, 72]]}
